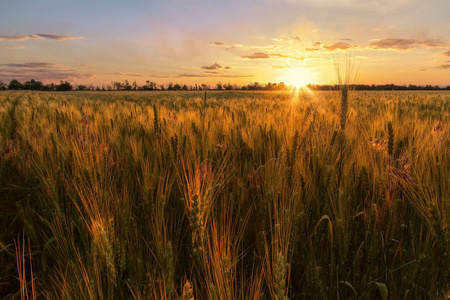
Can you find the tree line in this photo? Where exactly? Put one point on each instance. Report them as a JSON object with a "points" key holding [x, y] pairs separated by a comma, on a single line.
{"points": [[35, 85]]}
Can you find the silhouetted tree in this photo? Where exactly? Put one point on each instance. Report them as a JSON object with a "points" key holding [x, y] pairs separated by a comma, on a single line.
{"points": [[15, 85], [49, 87], [127, 85], [3, 86], [64, 86], [33, 85]]}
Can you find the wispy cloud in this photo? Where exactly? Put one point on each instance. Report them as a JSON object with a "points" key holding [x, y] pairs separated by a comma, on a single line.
{"points": [[289, 39], [40, 71], [213, 75], [158, 76], [36, 37], [126, 73], [312, 49], [14, 38], [396, 44], [13, 48], [339, 46], [216, 44], [257, 55], [40, 36], [59, 38], [404, 44], [31, 65], [431, 43], [192, 75], [444, 67], [214, 66], [446, 53]]}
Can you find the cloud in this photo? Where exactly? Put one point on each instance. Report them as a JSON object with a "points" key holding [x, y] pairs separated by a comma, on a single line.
{"points": [[40, 71], [192, 75], [227, 68], [12, 48], [396, 44], [59, 38], [312, 49], [257, 55], [158, 76], [31, 65], [404, 44], [215, 66], [446, 53], [264, 55], [213, 75], [212, 72], [444, 67], [216, 44], [317, 44], [346, 39], [430, 43], [126, 73], [15, 38], [35, 36], [40, 36], [289, 39], [339, 46], [278, 55]]}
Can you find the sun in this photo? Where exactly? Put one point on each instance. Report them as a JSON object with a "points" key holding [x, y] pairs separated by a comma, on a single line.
{"points": [[298, 77]]}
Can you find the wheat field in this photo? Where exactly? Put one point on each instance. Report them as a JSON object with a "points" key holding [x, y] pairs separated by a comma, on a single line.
{"points": [[224, 195]]}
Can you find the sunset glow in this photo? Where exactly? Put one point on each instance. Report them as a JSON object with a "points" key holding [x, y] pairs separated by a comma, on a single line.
{"points": [[297, 77], [235, 42]]}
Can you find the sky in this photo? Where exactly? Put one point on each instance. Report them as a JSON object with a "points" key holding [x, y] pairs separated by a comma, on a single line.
{"points": [[233, 41]]}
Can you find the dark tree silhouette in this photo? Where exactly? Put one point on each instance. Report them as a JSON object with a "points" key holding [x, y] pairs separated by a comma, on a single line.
{"points": [[15, 85], [64, 86], [33, 85]]}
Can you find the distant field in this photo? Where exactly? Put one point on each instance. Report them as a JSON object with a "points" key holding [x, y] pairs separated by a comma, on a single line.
{"points": [[239, 195]]}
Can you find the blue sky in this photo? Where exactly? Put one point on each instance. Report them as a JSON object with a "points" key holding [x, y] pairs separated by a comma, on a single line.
{"points": [[402, 42]]}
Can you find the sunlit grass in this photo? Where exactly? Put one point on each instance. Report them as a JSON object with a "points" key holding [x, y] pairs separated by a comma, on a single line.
{"points": [[247, 195]]}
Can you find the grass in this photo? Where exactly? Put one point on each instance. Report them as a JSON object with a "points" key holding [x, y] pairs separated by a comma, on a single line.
{"points": [[229, 195]]}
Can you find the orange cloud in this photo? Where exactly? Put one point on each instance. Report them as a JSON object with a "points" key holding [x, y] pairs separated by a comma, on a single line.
{"points": [[404, 44], [213, 75], [12, 48], [289, 39], [339, 46], [15, 38], [40, 71], [59, 38], [216, 44], [215, 66], [40, 36], [257, 55]]}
